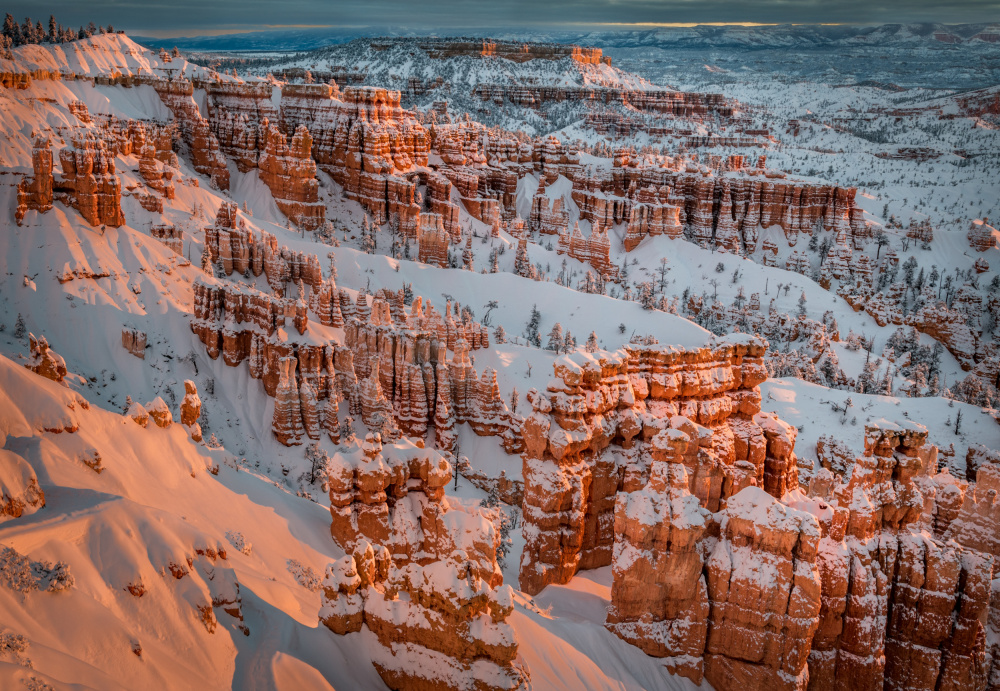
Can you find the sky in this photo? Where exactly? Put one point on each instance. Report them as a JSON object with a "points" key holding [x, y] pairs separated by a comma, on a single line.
{"points": [[207, 17]]}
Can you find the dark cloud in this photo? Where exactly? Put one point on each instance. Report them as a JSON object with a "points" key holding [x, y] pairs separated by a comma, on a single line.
{"points": [[194, 16]]}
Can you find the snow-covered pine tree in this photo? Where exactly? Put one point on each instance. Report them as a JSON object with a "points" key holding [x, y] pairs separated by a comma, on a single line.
{"points": [[555, 342]]}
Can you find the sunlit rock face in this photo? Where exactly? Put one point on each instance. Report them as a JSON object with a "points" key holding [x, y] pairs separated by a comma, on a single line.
{"points": [[587, 438], [866, 599]]}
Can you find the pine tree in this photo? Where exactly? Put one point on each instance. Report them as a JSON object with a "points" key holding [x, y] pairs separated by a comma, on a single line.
{"points": [[592, 346], [499, 334], [347, 430], [531, 333], [19, 328], [569, 343], [317, 461], [802, 305], [934, 388], [555, 338]]}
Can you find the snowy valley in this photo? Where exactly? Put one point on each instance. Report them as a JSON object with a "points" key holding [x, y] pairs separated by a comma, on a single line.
{"points": [[492, 363]]}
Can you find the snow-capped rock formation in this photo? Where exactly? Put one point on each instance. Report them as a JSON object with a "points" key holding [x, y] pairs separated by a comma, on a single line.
{"points": [[44, 361], [430, 592], [827, 563], [586, 437], [89, 183], [206, 157]]}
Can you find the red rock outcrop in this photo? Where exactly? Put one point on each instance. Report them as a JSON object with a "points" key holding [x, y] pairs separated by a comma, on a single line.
{"points": [[594, 250], [982, 236], [36, 193], [290, 173], [364, 139], [424, 388], [236, 114], [287, 421], [44, 361], [191, 410], [660, 101], [206, 157], [171, 236], [830, 589], [712, 206], [433, 240], [134, 341], [89, 183], [583, 442]]}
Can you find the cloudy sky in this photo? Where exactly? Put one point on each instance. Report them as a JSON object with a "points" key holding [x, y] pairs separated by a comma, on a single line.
{"points": [[199, 17]]}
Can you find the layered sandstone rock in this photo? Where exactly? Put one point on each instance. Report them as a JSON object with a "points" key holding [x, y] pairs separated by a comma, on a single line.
{"points": [[834, 588], [191, 410], [134, 341], [724, 206], [286, 424], [237, 112], [982, 236], [660, 101], [36, 193], [365, 140], [290, 173], [433, 240], [89, 183], [416, 377], [594, 250], [577, 455], [206, 157]]}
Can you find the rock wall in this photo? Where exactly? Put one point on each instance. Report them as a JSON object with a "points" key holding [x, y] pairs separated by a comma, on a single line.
{"points": [[364, 139], [392, 367], [837, 585], [680, 104], [724, 206], [196, 132], [236, 115]]}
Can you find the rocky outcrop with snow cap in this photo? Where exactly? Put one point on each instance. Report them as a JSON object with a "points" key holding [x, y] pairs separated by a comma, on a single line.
{"points": [[430, 592], [587, 434]]}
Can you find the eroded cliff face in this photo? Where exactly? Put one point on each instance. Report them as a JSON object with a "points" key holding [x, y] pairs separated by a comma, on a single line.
{"points": [[287, 168], [877, 572], [365, 140], [402, 366], [206, 157], [722, 204]]}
